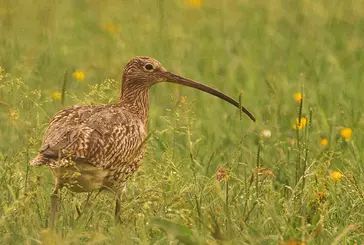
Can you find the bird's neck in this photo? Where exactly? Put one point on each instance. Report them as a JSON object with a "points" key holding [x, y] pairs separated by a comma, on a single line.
{"points": [[136, 101]]}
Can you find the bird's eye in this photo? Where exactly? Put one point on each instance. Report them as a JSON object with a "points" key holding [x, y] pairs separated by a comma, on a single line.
{"points": [[149, 67]]}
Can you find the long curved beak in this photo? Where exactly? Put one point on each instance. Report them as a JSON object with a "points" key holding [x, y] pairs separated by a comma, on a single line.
{"points": [[173, 78]]}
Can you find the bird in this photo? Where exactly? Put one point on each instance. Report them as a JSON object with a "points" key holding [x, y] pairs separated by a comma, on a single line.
{"points": [[98, 147]]}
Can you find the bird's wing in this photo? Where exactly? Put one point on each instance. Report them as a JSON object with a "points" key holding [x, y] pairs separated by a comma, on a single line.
{"points": [[64, 128], [92, 134]]}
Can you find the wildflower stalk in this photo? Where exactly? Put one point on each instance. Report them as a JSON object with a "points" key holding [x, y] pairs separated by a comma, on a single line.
{"points": [[256, 174], [175, 121], [27, 170], [247, 189], [305, 163], [227, 211], [306, 150], [193, 167], [65, 79], [285, 190], [241, 111], [209, 163], [298, 166], [356, 185]]}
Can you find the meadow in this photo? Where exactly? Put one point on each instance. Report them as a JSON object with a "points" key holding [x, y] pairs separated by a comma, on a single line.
{"points": [[296, 176]]}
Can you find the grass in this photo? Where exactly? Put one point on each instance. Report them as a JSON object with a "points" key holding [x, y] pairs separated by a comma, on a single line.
{"points": [[272, 190]]}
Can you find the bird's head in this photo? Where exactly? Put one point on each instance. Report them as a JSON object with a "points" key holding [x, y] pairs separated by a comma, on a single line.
{"points": [[142, 72]]}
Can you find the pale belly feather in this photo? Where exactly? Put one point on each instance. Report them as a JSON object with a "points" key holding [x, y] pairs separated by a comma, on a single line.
{"points": [[81, 177]]}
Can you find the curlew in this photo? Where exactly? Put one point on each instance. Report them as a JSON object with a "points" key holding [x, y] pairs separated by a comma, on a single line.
{"points": [[98, 147]]}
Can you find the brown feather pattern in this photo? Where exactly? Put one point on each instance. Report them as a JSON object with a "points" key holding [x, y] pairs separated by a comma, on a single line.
{"points": [[103, 136]]}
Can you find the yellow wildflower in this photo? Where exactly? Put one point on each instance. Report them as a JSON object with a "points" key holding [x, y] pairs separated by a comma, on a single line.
{"points": [[298, 97], [13, 115], [300, 125], [336, 176], [324, 142], [193, 3], [346, 133], [57, 96], [112, 28], [79, 75]]}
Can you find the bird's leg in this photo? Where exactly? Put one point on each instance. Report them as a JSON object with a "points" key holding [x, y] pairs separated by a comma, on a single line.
{"points": [[119, 194], [54, 203]]}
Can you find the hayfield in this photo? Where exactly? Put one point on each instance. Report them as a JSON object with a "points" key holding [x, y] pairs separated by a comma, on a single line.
{"points": [[296, 176]]}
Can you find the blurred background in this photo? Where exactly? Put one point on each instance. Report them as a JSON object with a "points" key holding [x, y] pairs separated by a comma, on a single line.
{"points": [[233, 46], [289, 59]]}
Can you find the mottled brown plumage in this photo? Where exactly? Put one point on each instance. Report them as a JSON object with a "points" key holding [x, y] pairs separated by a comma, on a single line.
{"points": [[100, 147]]}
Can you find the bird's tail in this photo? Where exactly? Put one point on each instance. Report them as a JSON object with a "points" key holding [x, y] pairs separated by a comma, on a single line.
{"points": [[39, 160]]}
